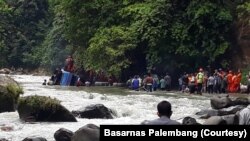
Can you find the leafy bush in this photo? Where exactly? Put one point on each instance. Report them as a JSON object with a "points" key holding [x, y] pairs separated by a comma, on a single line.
{"points": [[245, 72]]}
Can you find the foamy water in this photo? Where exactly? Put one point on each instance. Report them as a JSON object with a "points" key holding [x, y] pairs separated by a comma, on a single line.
{"points": [[131, 109]]}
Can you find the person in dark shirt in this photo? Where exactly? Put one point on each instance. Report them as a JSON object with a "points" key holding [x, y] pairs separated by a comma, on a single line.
{"points": [[164, 113], [149, 82], [45, 82]]}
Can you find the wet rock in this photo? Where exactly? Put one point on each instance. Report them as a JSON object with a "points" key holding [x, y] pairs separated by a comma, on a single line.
{"points": [[6, 80], [7, 128], [63, 135], [218, 102], [7, 102], [94, 111], [89, 132], [215, 120], [5, 71], [9, 94], [204, 114], [190, 121], [230, 119], [41, 108], [34, 139], [230, 110], [240, 101]]}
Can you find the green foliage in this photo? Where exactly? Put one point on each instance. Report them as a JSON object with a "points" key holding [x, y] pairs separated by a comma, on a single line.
{"points": [[244, 10], [5, 16], [104, 35], [117, 35], [199, 33], [22, 29], [53, 50], [111, 45], [245, 73]]}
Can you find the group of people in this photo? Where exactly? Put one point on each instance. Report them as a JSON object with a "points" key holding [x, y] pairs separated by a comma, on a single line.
{"points": [[55, 79], [150, 82], [57, 74], [218, 81]]}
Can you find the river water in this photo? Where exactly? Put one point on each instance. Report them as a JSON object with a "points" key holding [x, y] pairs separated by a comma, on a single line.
{"points": [[131, 107]]}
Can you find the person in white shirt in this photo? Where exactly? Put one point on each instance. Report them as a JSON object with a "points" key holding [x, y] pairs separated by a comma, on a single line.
{"points": [[244, 116]]}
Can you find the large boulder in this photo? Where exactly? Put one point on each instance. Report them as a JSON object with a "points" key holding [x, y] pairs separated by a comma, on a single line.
{"points": [[7, 101], [230, 110], [5, 71], [63, 135], [34, 139], [9, 94], [241, 101], [6, 80], [215, 120], [231, 119], [89, 132], [41, 108], [190, 121], [94, 111], [222, 120], [218, 102], [204, 114]]}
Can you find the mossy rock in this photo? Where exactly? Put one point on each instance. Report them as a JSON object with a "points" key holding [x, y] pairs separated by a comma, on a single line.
{"points": [[9, 96], [41, 108], [6, 80]]}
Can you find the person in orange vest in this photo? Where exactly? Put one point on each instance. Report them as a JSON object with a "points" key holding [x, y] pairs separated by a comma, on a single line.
{"points": [[229, 80], [236, 81]]}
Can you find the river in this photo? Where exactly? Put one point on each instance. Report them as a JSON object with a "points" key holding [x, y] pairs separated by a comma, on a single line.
{"points": [[131, 107]]}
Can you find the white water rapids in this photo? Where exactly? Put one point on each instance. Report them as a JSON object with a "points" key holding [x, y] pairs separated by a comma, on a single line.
{"points": [[131, 108]]}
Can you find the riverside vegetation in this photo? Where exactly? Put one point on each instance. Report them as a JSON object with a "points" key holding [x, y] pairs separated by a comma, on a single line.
{"points": [[123, 37]]}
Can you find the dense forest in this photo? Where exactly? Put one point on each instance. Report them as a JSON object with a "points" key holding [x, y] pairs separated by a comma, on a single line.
{"points": [[120, 37]]}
